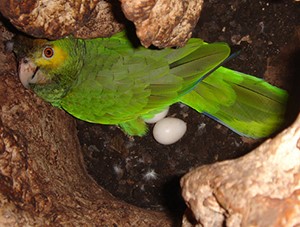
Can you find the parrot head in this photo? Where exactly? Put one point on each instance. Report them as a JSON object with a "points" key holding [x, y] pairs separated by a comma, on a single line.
{"points": [[50, 68]]}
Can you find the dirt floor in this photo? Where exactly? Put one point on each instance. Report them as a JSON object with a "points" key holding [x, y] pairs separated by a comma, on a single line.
{"points": [[145, 173]]}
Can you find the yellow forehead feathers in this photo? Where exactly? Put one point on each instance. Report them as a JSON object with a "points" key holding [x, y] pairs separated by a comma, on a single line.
{"points": [[51, 57]]}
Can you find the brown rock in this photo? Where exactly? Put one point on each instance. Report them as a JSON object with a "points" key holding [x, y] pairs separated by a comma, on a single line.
{"points": [[259, 189], [163, 23], [101, 22], [58, 18]]}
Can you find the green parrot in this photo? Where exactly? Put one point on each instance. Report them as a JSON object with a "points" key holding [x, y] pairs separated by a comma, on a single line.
{"points": [[110, 81]]}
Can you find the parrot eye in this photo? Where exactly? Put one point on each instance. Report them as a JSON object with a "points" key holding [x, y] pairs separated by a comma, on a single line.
{"points": [[48, 52]]}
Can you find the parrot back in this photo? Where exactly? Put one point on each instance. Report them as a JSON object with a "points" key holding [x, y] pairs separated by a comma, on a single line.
{"points": [[119, 83]]}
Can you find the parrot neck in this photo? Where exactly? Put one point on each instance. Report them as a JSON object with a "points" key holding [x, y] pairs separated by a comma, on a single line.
{"points": [[52, 93]]}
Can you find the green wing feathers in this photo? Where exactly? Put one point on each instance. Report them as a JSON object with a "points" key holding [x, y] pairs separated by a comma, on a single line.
{"points": [[120, 84], [198, 63], [126, 84], [248, 105]]}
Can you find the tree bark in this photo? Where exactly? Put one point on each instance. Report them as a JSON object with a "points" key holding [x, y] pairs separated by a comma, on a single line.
{"points": [[163, 23], [258, 189], [59, 18]]}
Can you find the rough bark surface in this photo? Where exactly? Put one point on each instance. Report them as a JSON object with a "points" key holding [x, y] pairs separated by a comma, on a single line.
{"points": [[58, 18], [42, 177], [163, 22], [259, 189]]}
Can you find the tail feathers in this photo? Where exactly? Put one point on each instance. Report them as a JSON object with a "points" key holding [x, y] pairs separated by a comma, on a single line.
{"points": [[248, 105]]}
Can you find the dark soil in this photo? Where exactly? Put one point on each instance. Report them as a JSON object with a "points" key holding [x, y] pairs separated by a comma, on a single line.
{"points": [[261, 30]]}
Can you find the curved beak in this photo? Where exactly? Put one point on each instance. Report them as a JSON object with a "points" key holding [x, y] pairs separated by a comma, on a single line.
{"points": [[27, 72]]}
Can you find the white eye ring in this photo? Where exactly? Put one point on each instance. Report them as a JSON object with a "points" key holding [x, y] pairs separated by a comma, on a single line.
{"points": [[48, 52]]}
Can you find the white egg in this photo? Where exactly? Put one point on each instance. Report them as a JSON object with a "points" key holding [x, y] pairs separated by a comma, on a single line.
{"points": [[169, 130], [157, 116]]}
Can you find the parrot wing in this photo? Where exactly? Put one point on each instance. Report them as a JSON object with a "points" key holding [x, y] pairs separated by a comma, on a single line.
{"points": [[120, 84]]}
